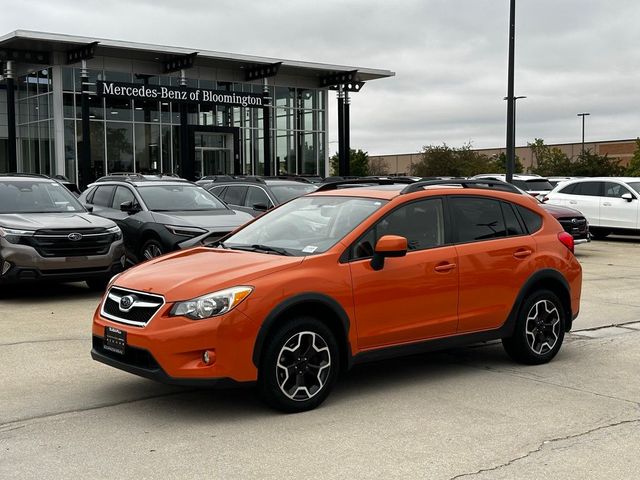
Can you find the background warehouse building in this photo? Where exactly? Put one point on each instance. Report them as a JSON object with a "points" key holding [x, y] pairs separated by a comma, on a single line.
{"points": [[84, 107]]}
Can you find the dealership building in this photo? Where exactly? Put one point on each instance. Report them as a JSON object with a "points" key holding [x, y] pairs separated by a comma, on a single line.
{"points": [[85, 107]]}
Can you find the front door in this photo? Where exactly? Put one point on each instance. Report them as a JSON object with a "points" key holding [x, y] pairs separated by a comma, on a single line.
{"points": [[213, 153]]}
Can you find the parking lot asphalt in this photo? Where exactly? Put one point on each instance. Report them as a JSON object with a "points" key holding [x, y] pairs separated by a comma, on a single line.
{"points": [[464, 413]]}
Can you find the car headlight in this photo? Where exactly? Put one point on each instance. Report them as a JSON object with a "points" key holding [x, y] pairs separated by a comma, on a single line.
{"points": [[13, 234], [116, 231], [185, 231], [212, 304]]}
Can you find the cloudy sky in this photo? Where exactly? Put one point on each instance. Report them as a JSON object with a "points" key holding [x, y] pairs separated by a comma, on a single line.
{"points": [[450, 58]]}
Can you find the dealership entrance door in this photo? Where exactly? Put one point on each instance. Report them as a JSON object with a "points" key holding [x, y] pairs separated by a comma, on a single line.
{"points": [[215, 151]]}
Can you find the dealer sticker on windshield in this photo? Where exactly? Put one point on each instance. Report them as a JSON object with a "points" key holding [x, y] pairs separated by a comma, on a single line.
{"points": [[309, 249]]}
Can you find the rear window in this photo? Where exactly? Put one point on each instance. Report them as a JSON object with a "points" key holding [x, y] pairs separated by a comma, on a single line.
{"points": [[532, 220], [284, 193], [536, 185]]}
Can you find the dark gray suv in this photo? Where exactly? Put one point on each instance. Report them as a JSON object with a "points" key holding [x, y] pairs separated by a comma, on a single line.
{"points": [[46, 234], [159, 214]]}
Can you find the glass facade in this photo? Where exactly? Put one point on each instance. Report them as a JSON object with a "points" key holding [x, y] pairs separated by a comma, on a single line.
{"points": [[34, 120], [131, 135]]}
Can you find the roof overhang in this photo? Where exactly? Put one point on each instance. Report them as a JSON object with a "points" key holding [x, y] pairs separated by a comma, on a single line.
{"points": [[53, 42]]}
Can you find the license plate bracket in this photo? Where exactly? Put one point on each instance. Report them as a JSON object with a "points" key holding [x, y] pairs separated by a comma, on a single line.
{"points": [[115, 340]]}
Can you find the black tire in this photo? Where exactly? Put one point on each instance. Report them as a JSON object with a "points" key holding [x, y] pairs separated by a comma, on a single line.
{"points": [[599, 233], [317, 368], [98, 284], [151, 248], [539, 329]]}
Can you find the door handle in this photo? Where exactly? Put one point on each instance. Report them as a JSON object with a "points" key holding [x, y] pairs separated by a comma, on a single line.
{"points": [[606, 204], [522, 253], [572, 202], [444, 267]]}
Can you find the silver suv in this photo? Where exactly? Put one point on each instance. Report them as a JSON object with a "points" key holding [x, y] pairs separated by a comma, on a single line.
{"points": [[46, 234]]}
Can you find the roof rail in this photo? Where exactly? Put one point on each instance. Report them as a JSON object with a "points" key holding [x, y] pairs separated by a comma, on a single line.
{"points": [[235, 178], [24, 174], [361, 183], [477, 183]]}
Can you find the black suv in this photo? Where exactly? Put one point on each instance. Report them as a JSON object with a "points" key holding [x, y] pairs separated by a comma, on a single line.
{"points": [[256, 195], [158, 214], [46, 234]]}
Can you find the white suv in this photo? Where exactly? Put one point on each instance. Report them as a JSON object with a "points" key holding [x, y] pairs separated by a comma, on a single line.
{"points": [[610, 204], [534, 185]]}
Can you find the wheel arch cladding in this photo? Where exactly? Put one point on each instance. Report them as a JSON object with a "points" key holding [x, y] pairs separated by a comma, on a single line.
{"points": [[319, 306], [547, 279]]}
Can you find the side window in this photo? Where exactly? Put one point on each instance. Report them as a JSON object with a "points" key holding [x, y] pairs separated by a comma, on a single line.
{"points": [[477, 219], [591, 189], [511, 221], [569, 189], [103, 195], [421, 223], [532, 220], [256, 195], [123, 194], [218, 191], [235, 194], [614, 190]]}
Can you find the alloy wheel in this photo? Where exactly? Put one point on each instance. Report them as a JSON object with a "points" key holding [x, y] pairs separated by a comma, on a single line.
{"points": [[304, 365], [542, 327], [151, 251]]}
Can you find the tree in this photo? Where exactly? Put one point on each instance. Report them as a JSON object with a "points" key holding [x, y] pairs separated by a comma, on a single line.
{"points": [[591, 164], [539, 150], [377, 166], [499, 164], [444, 160], [633, 170], [358, 163], [554, 163]]}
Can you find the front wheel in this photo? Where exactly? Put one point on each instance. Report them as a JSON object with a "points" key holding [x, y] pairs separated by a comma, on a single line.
{"points": [[152, 248], [539, 329], [299, 366]]}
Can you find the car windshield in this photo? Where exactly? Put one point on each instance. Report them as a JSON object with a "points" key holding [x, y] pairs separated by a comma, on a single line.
{"points": [[304, 226], [36, 196], [635, 186], [533, 185], [178, 198], [284, 193]]}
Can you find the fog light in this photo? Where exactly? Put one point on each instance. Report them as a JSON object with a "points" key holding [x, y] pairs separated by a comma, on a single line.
{"points": [[208, 357], [5, 267]]}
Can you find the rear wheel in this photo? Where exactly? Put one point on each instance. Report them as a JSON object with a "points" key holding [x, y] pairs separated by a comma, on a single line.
{"points": [[539, 329], [299, 366], [599, 233]]}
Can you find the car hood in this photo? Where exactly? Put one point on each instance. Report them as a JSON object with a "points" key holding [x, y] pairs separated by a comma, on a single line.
{"points": [[58, 220], [557, 211], [191, 273], [210, 219]]}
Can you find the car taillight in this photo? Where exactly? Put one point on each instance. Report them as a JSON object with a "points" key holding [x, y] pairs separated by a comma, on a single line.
{"points": [[567, 240]]}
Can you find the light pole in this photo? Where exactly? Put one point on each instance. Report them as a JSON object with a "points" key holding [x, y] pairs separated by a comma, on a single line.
{"points": [[510, 96], [514, 123], [583, 115]]}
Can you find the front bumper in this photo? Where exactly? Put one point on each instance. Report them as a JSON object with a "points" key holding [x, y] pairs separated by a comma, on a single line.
{"points": [[26, 265], [170, 349]]}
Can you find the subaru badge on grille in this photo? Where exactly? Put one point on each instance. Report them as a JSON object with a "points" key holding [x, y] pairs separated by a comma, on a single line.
{"points": [[74, 236]]}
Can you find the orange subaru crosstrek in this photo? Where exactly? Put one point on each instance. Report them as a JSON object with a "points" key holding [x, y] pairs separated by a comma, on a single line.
{"points": [[342, 276]]}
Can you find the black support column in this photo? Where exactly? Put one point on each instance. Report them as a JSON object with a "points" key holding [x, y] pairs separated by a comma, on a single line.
{"points": [[347, 133], [342, 167], [11, 119]]}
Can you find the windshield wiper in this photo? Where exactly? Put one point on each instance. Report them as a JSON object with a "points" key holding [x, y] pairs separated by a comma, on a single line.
{"points": [[262, 248]]}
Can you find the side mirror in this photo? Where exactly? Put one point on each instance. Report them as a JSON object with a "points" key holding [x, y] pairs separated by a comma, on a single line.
{"points": [[627, 196], [261, 207], [388, 246], [89, 208], [129, 207]]}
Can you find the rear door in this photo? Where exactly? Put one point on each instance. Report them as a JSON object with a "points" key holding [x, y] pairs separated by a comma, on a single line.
{"points": [[616, 211], [494, 257], [585, 197], [411, 298]]}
